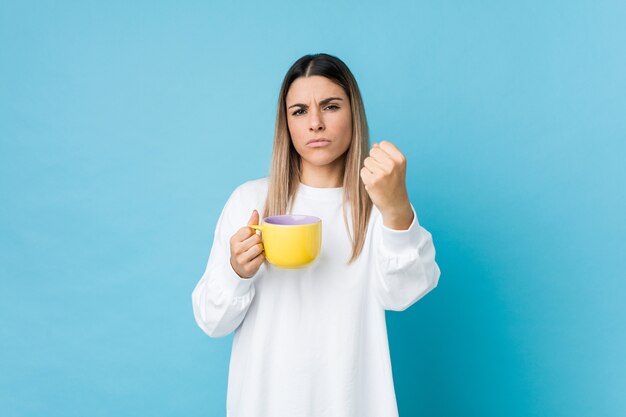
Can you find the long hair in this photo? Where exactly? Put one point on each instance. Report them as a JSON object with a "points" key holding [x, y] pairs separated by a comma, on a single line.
{"points": [[285, 170]]}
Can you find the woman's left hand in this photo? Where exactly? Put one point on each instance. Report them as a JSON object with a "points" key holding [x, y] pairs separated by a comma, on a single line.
{"points": [[384, 177]]}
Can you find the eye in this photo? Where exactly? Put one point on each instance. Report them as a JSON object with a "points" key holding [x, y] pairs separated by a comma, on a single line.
{"points": [[297, 112], [334, 107]]}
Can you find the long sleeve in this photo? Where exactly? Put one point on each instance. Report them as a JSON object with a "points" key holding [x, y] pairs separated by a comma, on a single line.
{"points": [[405, 264], [221, 298]]}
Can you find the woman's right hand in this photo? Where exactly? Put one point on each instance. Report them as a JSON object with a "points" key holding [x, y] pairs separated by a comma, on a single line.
{"points": [[246, 249]]}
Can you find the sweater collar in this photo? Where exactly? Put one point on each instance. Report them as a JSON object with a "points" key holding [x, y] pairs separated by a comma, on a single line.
{"points": [[320, 193]]}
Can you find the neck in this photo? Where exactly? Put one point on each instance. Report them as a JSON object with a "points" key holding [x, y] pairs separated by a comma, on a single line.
{"points": [[327, 176]]}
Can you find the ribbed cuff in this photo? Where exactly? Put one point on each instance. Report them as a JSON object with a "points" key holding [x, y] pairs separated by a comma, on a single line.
{"points": [[398, 241]]}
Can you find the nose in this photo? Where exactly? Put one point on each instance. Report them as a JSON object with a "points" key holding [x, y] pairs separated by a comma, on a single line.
{"points": [[316, 122]]}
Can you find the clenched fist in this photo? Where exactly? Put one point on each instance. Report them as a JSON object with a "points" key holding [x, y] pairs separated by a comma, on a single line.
{"points": [[384, 177], [246, 249]]}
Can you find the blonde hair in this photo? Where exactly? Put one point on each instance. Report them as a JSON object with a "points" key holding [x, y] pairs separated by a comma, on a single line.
{"points": [[284, 177]]}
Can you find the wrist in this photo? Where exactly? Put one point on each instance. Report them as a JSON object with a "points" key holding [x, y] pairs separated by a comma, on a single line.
{"points": [[399, 217]]}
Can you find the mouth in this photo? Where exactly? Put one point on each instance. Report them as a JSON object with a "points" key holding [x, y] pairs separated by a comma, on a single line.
{"points": [[318, 140]]}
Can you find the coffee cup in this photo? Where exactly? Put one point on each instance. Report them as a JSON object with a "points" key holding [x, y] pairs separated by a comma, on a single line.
{"points": [[290, 241]]}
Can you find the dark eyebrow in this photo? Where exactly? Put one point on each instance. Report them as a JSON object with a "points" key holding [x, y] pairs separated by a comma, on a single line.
{"points": [[325, 101]]}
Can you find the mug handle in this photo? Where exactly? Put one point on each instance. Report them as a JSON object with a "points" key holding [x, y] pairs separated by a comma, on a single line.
{"points": [[256, 227]]}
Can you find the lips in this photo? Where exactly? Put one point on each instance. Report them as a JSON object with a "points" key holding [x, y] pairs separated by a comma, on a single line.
{"points": [[317, 140]]}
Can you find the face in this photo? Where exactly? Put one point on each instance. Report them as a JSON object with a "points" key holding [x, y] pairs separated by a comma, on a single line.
{"points": [[317, 108]]}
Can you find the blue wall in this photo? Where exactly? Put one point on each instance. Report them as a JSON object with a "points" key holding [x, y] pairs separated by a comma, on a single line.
{"points": [[123, 129]]}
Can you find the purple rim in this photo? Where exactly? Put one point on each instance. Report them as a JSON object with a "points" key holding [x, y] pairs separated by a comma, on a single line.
{"points": [[292, 220]]}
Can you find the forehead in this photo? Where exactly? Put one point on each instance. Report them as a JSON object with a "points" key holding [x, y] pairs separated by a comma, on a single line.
{"points": [[315, 87]]}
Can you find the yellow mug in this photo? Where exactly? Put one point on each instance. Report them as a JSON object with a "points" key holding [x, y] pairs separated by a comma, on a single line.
{"points": [[291, 240]]}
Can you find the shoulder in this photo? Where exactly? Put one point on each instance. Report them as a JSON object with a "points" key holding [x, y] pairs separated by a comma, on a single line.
{"points": [[249, 195], [244, 198], [252, 189], [254, 186]]}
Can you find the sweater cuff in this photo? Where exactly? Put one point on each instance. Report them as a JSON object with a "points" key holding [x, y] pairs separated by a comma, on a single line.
{"points": [[398, 241], [240, 286]]}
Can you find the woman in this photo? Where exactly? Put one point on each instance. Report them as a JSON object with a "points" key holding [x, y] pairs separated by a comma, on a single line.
{"points": [[313, 341]]}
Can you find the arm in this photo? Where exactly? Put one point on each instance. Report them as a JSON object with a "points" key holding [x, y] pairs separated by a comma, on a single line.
{"points": [[405, 264], [221, 298], [404, 257]]}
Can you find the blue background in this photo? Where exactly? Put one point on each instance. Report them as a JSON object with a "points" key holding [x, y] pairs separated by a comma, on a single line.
{"points": [[124, 128]]}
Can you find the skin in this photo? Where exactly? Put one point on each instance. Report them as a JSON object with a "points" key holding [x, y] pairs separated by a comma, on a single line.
{"points": [[384, 177], [246, 249], [310, 115]]}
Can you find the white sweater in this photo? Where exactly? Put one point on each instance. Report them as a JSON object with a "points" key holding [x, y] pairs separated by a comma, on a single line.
{"points": [[313, 341]]}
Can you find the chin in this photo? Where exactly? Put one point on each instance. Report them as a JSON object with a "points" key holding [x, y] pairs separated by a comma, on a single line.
{"points": [[322, 160]]}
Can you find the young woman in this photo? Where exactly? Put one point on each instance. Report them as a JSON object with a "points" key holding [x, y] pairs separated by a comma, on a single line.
{"points": [[313, 341]]}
